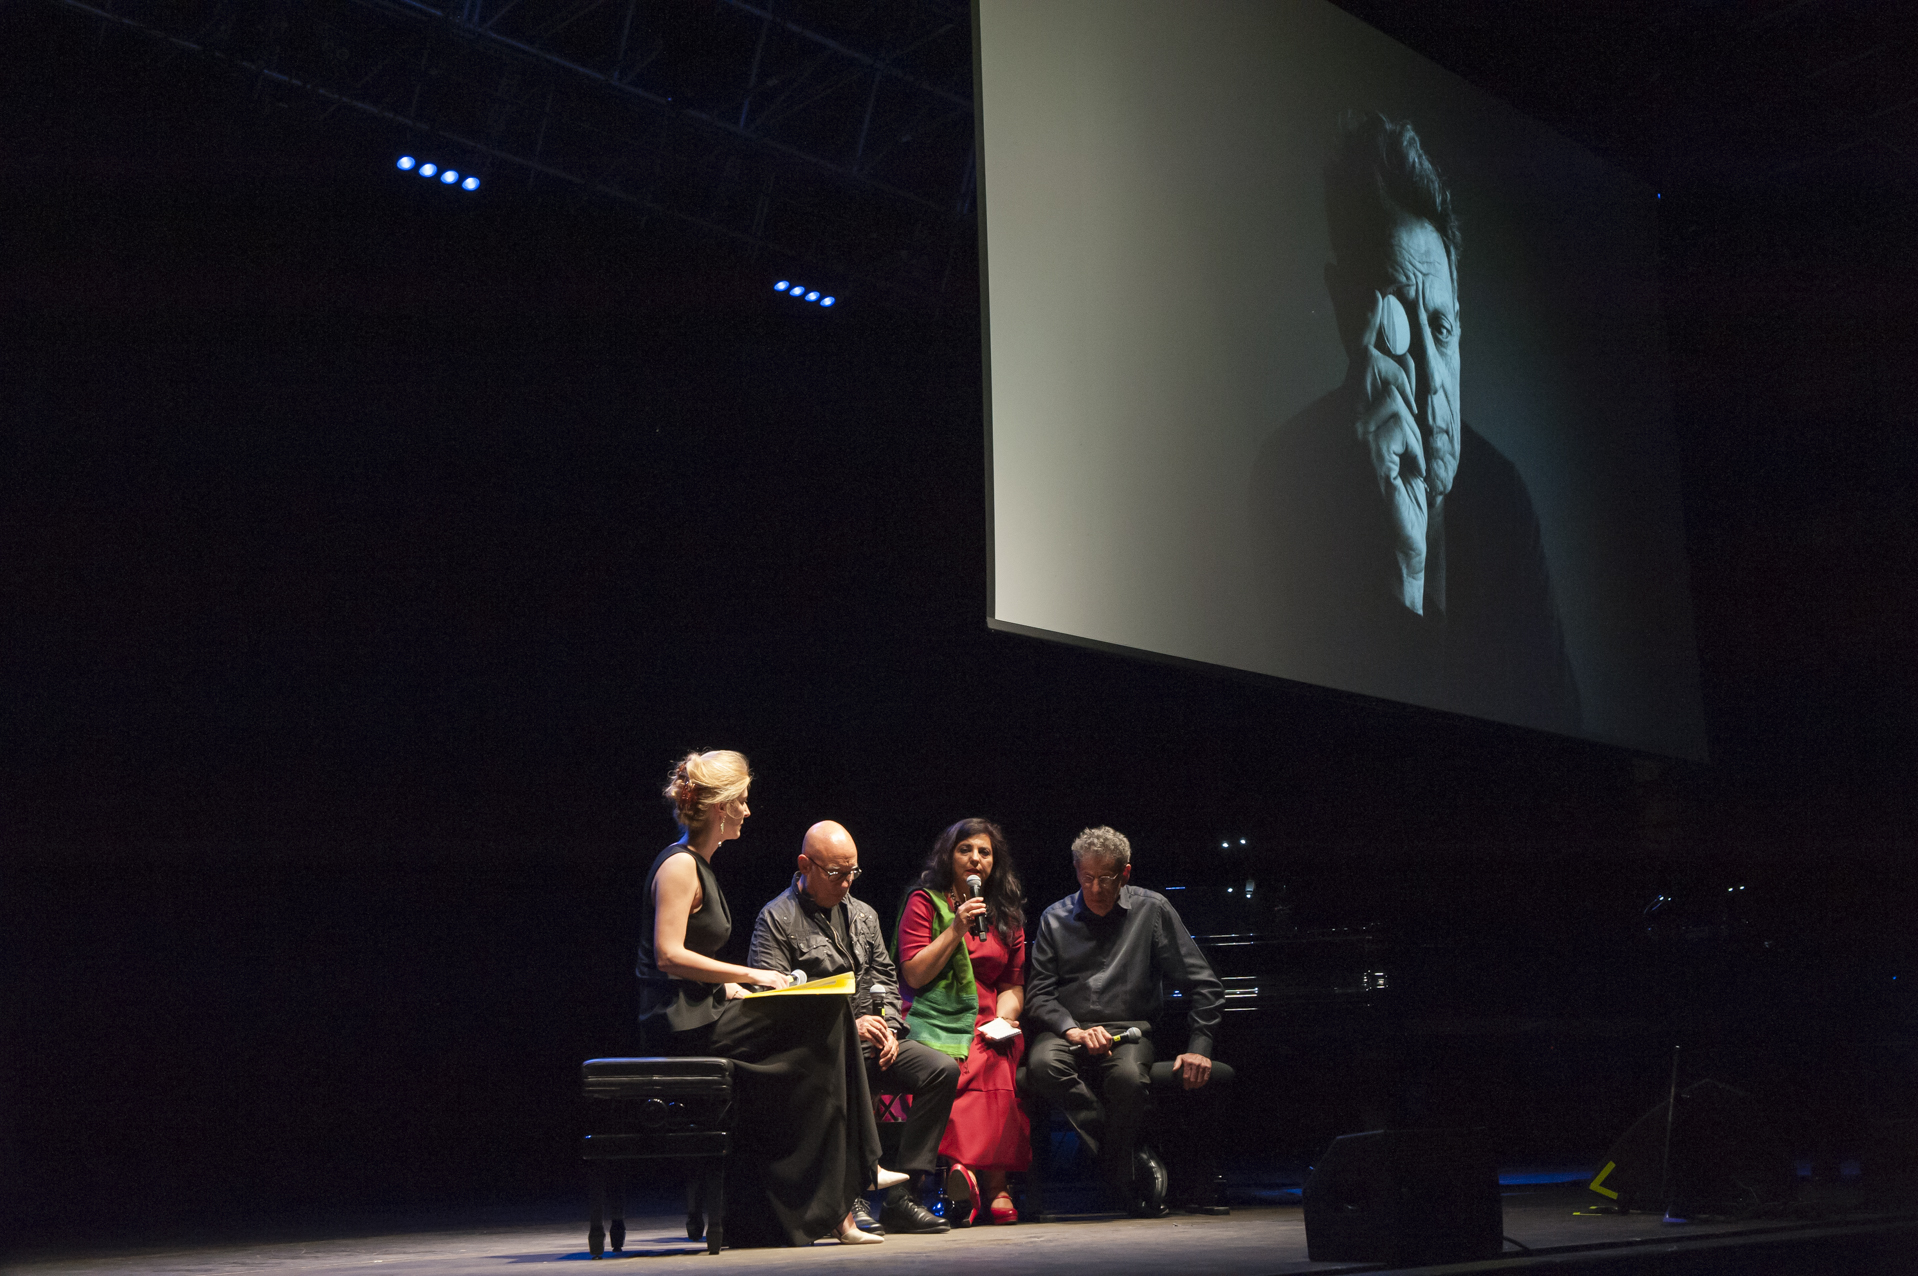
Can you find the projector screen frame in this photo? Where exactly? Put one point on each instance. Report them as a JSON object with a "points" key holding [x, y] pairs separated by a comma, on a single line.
{"points": [[997, 621]]}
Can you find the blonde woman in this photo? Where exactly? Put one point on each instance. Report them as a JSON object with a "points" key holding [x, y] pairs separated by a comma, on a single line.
{"points": [[804, 1142]]}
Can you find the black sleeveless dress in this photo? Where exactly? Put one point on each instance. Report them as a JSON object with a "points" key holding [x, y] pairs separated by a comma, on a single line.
{"points": [[804, 1140], [676, 1015]]}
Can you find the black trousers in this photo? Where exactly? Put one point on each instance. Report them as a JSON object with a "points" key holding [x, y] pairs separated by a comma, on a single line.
{"points": [[931, 1077], [1107, 1122]]}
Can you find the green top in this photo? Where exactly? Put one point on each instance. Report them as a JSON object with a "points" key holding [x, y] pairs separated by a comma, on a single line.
{"points": [[945, 1012]]}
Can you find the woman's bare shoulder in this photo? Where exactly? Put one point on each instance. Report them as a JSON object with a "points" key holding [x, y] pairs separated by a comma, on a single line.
{"points": [[677, 869]]}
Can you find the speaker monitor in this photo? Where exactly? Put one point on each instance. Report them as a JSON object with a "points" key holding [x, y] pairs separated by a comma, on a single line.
{"points": [[1404, 1197]]}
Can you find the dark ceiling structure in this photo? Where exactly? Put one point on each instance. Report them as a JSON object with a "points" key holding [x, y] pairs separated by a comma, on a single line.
{"points": [[833, 136], [838, 136]]}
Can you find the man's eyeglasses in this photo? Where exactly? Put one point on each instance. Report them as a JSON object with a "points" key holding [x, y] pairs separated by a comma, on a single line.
{"points": [[1104, 881], [850, 874]]}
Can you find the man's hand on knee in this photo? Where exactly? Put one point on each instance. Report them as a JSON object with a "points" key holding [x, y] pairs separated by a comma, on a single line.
{"points": [[1194, 1070]]}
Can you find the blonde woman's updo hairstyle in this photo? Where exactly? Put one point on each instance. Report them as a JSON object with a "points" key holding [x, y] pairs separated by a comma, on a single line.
{"points": [[702, 781]]}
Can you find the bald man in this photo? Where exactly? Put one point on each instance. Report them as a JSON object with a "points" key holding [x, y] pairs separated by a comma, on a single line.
{"points": [[816, 926]]}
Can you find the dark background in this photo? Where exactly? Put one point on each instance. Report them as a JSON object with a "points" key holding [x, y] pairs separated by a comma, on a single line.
{"points": [[367, 555]]}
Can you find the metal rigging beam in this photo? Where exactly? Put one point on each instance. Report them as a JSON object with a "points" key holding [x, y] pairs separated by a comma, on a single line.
{"points": [[849, 167]]}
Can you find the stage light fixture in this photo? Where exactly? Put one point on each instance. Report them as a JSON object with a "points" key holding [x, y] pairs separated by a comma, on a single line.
{"points": [[800, 292], [406, 163], [427, 170], [450, 176], [470, 184]]}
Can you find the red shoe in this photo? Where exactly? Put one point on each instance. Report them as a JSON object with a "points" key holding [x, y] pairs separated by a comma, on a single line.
{"points": [[1003, 1210], [962, 1196]]}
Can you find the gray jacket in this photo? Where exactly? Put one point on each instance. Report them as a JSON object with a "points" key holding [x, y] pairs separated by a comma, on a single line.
{"points": [[793, 933]]}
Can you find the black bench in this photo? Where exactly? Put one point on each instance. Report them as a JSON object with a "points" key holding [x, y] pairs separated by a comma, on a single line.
{"points": [[650, 1108]]}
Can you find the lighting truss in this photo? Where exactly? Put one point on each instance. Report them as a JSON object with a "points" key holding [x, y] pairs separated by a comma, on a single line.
{"points": [[831, 136]]}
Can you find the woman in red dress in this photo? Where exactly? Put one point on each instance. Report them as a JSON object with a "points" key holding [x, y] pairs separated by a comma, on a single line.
{"points": [[967, 993]]}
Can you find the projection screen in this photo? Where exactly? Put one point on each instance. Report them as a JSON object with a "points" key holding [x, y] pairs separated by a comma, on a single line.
{"points": [[1307, 359]]}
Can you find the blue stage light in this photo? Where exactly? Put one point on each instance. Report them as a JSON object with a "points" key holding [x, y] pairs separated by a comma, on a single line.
{"points": [[812, 296], [470, 184], [406, 162], [781, 286], [450, 176], [427, 170], [827, 301]]}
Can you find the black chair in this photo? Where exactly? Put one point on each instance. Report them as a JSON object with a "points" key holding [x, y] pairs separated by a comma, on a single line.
{"points": [[1166, 1090], [647, 1109], [1194, 1162]]}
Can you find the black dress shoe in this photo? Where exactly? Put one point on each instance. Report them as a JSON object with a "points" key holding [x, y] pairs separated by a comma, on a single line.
{"points": [[862, 1217], [1215, 1210], [1149, 1182], [908, 1217]]}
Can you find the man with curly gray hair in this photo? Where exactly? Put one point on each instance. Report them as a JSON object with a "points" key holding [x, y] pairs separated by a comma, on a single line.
{"points": [[1098, 965], [1102, 843]]}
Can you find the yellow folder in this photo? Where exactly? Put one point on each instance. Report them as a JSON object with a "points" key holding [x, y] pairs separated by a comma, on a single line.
{"points": [[838, 985]]}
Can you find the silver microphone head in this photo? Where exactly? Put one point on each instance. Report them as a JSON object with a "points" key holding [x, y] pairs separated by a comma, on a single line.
{"points": [[974, 885]]}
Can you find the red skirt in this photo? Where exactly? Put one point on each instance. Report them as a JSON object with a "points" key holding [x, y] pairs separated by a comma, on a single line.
{"points": [[988, 1129]]}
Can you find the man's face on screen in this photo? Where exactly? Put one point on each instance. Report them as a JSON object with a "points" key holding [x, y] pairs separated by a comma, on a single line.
{"points": [[1416, 270]]}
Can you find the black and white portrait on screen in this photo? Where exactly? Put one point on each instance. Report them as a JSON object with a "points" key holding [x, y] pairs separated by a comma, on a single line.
{"points": [[1394, 534], [1376, 404]]}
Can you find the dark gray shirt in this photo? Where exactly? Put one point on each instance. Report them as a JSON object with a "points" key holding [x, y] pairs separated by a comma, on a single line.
{"points": [[793, 933], [1086, 969]]}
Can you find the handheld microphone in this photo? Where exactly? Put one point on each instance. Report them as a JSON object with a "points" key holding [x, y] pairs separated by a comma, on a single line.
{"points": [[795, 979], [978, 889], [1125, 1038]]}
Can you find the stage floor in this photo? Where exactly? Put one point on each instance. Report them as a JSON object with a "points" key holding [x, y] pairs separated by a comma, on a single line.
{"points": [[1265, 1240]]}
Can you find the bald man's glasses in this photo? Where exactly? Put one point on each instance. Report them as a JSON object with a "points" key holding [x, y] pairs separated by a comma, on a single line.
{"points": [[850, 874]]}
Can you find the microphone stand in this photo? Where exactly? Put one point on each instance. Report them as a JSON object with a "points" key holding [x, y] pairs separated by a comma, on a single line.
{"points": [[1671, 1119]]}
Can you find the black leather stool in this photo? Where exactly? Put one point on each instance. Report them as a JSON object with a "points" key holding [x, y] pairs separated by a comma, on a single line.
{"points": [[645, 1109]]}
